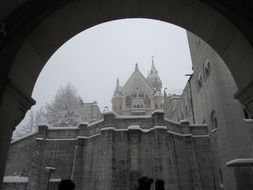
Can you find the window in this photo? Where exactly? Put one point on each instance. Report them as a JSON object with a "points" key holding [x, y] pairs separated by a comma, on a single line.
{"points": [[207, 69], [198, 42], [134, 95], [214, 121], [247, 115], [199, 81], [221, 178]]}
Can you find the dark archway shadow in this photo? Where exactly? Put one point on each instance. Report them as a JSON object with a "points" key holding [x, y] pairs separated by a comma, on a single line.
{"points": [[33, 31]]}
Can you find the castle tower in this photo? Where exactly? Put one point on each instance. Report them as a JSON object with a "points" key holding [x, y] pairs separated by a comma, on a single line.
{"points": [[117, 98], [158, 100], [154, 79]]}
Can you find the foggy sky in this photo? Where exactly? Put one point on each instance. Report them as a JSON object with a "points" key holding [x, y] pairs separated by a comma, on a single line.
{"points": [[92, 60]]}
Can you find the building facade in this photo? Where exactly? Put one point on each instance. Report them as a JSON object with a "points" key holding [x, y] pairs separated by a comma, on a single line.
{"points": [[140, 95], [208, 99]]}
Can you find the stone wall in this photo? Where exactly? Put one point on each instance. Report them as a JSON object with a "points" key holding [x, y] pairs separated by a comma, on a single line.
{"points": [[14, 186], [210, 91], [114, 152]]}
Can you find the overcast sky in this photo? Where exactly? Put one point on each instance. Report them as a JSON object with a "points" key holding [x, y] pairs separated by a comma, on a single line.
{"points": [[93, 59]]}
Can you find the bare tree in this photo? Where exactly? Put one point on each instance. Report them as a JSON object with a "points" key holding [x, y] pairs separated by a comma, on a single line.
{"points": [[66, 109]]}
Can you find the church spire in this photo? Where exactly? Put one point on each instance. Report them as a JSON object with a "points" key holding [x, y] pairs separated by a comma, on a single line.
{"points": [[117, 89], [153, 69], [154, 78]]}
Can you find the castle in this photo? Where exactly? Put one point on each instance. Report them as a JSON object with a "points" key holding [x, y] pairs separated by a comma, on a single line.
{"points": [[140, 95], [184, 139]]}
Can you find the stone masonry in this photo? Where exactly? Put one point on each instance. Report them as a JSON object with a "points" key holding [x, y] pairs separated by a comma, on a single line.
{"points": [[112, 153]]}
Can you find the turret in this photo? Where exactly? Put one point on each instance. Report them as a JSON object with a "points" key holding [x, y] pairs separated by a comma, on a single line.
{"points": [[154, 78], [117, 98], [158, 100]]}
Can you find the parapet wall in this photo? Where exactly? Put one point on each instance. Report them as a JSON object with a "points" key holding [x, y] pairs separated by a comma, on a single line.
{"points": [[123, 123], [114, 152]]}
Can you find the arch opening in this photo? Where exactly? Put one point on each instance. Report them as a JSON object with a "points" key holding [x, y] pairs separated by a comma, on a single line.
{"points": [[221, 34]]}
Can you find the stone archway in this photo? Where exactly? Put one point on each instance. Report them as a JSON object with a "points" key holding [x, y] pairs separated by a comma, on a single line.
{"points": [[33, 30]]}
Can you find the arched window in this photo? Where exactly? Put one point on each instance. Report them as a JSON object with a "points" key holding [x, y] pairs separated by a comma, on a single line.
{"points": [[186, 110], [199, 81], [207, 69], [198, 42], [247, 115], [214, 120], [221, 178]]}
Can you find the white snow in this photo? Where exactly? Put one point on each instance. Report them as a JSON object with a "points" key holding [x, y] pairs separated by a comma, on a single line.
{"points": [[39, 138], [240, 162], [63, 139], [198, 125], [133, 116], [55, 180], [171, 121], [200, 136], [95, 123], [134, 127], [112, 128], [188, 134], [157, 111], [83, 123], [85, 137], [15, 179], [62, 128], [248, 120]]}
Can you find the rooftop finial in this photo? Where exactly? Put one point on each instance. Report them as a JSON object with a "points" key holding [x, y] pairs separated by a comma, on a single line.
{"points": [[117, 88], [136, 66], [117, 83], [152, 59]]}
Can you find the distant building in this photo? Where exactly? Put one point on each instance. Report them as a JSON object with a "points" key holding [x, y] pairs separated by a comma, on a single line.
{"points": [[140, 95]]}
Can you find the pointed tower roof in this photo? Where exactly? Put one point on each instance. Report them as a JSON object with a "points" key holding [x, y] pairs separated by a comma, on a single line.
{"points": [[117, 91], [154, 78], [153, 69]]}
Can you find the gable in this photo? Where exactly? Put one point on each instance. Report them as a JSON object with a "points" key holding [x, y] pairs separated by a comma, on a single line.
{"points": [[137, 83]]}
